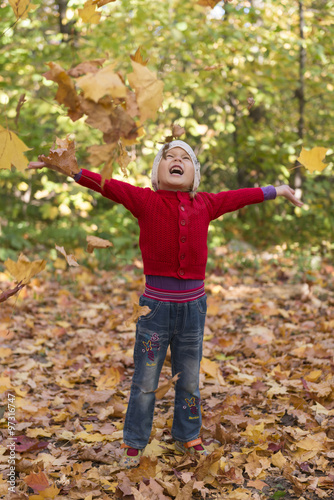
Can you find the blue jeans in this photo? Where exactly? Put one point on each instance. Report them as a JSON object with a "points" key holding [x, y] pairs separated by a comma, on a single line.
{"points": [[181, 326]]}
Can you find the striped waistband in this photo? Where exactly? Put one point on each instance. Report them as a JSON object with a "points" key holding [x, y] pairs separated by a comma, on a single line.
{"points": [[173, 295]]}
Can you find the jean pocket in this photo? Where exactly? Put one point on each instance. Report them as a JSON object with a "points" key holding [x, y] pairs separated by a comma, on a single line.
{"points": [[154, 305], [201, 304]]}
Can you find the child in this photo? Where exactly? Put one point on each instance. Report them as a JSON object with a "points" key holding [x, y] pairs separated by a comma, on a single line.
{"points": [[173, 221]]}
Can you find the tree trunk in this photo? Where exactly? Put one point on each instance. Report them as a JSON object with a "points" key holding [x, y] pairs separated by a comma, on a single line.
{"points": [[300, 92]]}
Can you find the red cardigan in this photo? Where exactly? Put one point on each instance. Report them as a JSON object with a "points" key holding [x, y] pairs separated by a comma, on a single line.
{"points": [[173, 227]]}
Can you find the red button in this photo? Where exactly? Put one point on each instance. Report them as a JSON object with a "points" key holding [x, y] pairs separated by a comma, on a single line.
{"points": [[183, 222], [182, 256], [182, 208], [181, 272], [183, 239]]}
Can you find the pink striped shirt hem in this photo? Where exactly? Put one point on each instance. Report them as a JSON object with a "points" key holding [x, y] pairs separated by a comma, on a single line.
{"points": [[173, 295]]}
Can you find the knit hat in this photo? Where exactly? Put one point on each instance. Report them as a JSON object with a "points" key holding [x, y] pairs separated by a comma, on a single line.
{"points": [[189, 150]]}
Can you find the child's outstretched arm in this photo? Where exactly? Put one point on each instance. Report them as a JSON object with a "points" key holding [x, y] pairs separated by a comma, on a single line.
{"points": [[289, 194], [132, 197]]}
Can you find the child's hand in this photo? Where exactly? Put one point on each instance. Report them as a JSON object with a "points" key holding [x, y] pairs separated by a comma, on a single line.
{"points": [[34, 165], [289, 194]]}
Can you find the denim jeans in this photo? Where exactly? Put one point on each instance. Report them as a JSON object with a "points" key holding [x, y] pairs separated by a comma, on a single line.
{"points": [[181, 326]]}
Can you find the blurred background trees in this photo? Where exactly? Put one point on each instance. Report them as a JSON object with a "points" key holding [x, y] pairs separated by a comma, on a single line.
{"points": [[251, 81]]}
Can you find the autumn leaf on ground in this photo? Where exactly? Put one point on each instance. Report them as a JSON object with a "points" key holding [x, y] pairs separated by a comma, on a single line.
{"points": [[11, 150], [71, 260], [102, 82], [22, 7], [88, 13], [23, 270], [163, 389], [38, 482], [96, 242], [66, 93], [63, 157], [312, 160], [139, 58], [137, 311], [148, 90]]}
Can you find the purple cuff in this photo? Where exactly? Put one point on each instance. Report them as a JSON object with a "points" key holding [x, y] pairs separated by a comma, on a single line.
{"points": [[269, 192], [77, 176]]}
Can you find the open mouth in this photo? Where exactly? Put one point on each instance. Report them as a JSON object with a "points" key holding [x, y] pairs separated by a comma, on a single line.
{"points": [[176, 170]]}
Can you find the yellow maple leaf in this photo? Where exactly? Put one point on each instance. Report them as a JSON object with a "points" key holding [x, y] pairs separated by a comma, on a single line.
{"points": [[139, 58], [164, 388], [23, 270], [148, 90], [89, 14], [104, 81], [11, 150], [312, 160], [21, 8], [137, 311]]}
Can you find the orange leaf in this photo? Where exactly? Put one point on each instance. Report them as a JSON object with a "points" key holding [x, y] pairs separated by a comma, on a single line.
{"points": [[139, 58], [38, 482], [71, 260], [63, 157], [95, 242]]}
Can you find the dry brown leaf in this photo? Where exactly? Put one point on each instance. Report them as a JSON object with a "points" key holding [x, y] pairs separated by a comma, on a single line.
{"points": [[66, 93], [137, 311], [163, 389], [96, 242], [86, 67], [38, 482], [70, 259], [63, 157], [99, 154]]}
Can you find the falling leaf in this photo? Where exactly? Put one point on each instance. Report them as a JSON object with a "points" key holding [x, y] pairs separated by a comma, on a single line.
{"points": [[163, 389], [88, 13], [11, 150], [62, 157], [66, 93], [99, 154], [100, 3], [251, 102], [23, 270], [20, 103], [71, 260], [208, 3], [139, 58], [312, 160], [22, 7], [86, 67], [177, 130], [95, 242], [123, 159], [137, 311], [102, 82], [148, 90]]}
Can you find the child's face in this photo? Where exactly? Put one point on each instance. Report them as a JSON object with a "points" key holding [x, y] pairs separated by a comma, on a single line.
{"points": [[176, 171]]}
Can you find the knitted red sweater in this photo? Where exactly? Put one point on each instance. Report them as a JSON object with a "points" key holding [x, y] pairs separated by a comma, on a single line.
{"points": [[173, 227]]}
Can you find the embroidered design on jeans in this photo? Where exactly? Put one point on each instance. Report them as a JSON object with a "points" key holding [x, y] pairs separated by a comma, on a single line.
{"points": [[192, 403], [151, 344]]}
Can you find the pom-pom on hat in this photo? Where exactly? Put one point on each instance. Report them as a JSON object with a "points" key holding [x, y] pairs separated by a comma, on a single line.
{"points": [[189, 150]]}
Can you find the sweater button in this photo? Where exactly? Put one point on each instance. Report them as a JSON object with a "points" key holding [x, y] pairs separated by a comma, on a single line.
{"points": [[182, 256], [181, 272], [182, 208], [183, 239], [183, 222]]}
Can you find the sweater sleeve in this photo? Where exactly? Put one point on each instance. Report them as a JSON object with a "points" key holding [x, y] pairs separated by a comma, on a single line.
{"points": [[132, 197], [229, 201]]}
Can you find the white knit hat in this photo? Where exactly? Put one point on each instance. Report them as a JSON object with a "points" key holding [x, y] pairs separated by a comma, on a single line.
{"points": [[189, 150]]}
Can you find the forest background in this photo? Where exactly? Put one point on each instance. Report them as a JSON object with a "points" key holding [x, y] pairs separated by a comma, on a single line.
{"points": [[250, 81]]}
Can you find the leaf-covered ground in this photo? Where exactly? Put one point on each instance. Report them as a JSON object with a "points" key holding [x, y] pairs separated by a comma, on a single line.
{"points": [[267, 385]]}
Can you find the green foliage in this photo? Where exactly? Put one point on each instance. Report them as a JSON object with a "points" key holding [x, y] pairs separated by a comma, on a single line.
{"points": [[211, 62]]}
